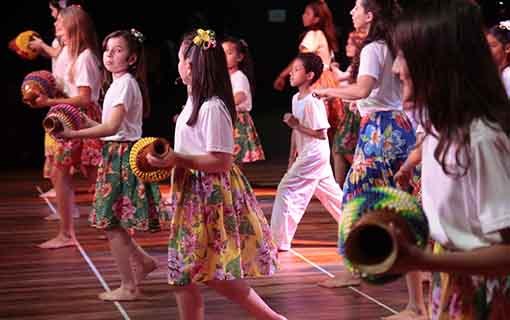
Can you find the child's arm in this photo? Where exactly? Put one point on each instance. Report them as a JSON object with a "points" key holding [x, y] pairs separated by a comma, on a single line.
{"points": [[105, 129], [493, 260], [82, 100], [279, 83], [403, 176], [293, 151], [39, 45], [239, 97], [292, 122], [359, 90]]}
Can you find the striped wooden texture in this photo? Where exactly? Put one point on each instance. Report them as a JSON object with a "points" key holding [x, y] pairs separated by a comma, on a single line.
{"points": [[58, 284]]}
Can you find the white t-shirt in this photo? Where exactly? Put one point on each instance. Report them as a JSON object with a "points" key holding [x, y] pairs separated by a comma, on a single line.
{"points": [[466, 213], [86, 74], [240, 83], [505, 76], [126, 92], [315, 41], [376, 61], [311, 113], [212, 132]]}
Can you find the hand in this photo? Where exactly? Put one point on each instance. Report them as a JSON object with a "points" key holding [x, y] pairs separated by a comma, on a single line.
{"points": [[321, 93], [279, 83], [87, 122], [65, 134], [36, 43], [292, 159], [403, 177], [290, 120], [167, 162], [41, 101], [410, 257]]}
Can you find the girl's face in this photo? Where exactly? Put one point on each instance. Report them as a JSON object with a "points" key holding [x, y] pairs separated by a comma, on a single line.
{"points": [[60, 30], [309, 18], [298, 75], [184, 66], [361, 19], [53, 11], [116, 58], [401, 69], [350, 49], [499, 51], [233, 56]]}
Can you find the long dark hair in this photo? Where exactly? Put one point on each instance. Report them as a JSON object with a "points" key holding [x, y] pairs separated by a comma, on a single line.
{"points": [[326, 24], [454, 77], [246, 63], [209, 76], [384, 12], [134, 41]]}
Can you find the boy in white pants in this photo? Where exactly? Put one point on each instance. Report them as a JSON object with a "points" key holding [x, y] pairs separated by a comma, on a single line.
{"points": [[309, 170]]}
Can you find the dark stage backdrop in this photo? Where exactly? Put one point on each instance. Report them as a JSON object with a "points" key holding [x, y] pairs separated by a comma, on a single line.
{"points": [[272, 44]]}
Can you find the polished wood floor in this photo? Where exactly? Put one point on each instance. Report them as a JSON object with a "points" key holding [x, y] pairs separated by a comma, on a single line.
{"points": [[41, 284]]}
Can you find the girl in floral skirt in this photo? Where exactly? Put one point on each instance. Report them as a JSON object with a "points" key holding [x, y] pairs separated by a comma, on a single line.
{"points": [[247, 146], [80, 81], [122, 201], [219, 235], [465, 113]]}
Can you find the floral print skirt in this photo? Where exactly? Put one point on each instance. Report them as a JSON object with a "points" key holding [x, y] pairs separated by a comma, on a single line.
{"points": [[121, 199], [218, 231], [346, 135], [461, 297], [79, 152], [384, 142], [247, 146]]}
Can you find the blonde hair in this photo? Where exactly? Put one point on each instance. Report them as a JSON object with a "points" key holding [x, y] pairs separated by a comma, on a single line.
{"points": [[82, 34]]}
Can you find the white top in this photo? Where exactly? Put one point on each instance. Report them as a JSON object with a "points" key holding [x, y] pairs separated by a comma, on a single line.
{"points": [[125, 92], [212, 132], [315, 41], [86, 74], [466, 213], [376, 61], [311, 113], [505, 76], [240, 83]]}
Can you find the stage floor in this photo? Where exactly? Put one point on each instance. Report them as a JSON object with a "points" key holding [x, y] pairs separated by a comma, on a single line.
{"points": [[64, 283]]}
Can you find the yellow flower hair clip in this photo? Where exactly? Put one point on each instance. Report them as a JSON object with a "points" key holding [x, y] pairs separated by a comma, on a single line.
{"points": [[205, 39]]}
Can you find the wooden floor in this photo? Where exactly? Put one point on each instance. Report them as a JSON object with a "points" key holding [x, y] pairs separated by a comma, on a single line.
{"points": [[60, 284]]}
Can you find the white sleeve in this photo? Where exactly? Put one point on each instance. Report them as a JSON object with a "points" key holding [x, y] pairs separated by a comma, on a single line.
{"points": [[124, 95], [491, 180], [315, 115], [86, 70], [371, 61], [240, 83], [506, 80], [216, 127], [310, 41]]}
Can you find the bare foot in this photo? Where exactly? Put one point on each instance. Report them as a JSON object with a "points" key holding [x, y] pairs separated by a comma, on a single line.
{"points": [[57, 243], [342, 280], [142, 271], [407, 314], [120, 294]]}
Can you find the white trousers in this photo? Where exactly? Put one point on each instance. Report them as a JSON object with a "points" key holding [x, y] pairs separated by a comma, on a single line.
{"points": [[292, 198]]}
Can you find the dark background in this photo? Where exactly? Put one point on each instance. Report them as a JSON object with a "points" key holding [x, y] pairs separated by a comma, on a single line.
{"points": [[272, 46]]}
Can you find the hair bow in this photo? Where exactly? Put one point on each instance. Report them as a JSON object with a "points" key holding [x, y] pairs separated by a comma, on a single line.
{"points": [[137, 35]]}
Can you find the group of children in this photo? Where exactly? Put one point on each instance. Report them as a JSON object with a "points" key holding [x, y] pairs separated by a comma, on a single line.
{"points": [[218, 233]]}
